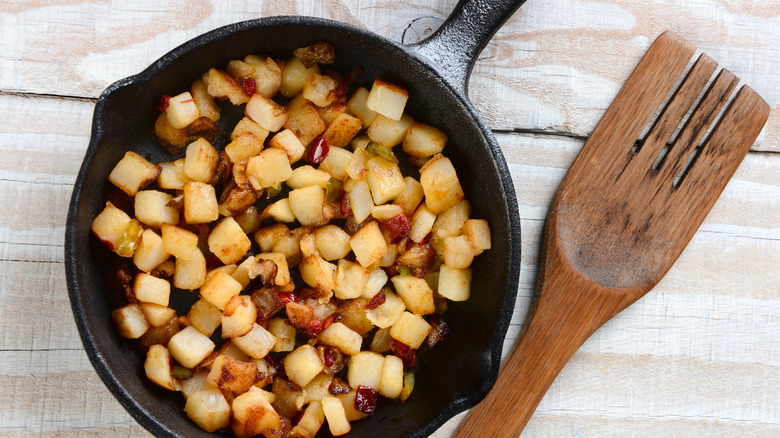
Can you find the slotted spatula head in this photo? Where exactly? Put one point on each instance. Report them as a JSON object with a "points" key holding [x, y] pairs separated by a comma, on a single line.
{"points": [[623, 214]]}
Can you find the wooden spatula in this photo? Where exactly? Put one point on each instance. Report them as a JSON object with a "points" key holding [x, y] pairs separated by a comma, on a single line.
{"points": [[623, 215]]}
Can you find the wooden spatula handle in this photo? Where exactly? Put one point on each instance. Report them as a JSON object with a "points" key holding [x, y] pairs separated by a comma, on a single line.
{"points": [[566, 312]]}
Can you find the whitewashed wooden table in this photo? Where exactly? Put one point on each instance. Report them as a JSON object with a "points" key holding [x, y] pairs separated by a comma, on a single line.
{"points": [[698, 356]]}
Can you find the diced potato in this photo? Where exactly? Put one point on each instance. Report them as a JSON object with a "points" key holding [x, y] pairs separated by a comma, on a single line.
{"points": [[130, 321], [267, 74], [221, 85], [190, 273], [368, 244], [288, 142], [417, 295], [350, 280], [392, 377], [357, 103], [422, 223], [376, 281], [304, 121], [334, 413], [228, 242], [388, 132], [189, 347], [356, 169], [316, 389], [281, 211], [244, 147], [388, 313], [238, 317], [320, 89], [232, 375], [158, 368], [200, 203], [303, 364], [353, 315], [294, 76], [204, 316], [172, 175], [424, 140], [266, 113], [310, 423], [253, 415], [150, 289], [247, 125], [341, 336], [336, 162], [454, 283], [365, 368], [386, 211], [244, 273], [133, 172], [156, 314], [332, 242], [410, 196], [208, 409], [384, 179], [387, 99], [478, 233], [360, 200], [178, 241], [267, 237], [257, 343], [390, 256], [440, 184], [220, 288], [317, 273], [458, 252], [268, 169], [305, 176], [181, 110], [196, 383], [451, 222], [203, 100], [307, 203], [284, 334], [411, 329], [282, 277], [110, 226], [342, 130], [329, 113], [151, 208], [201, 160]]}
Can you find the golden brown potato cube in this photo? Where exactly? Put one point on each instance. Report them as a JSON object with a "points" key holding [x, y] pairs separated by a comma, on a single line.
{"points": [[305, 176], [376, 281], [238, 317], [411, 196], [386, 211], [181, 110], [267, 75], [336, 162], [440, 184], [281, 211], [341, 336], [247, 125], [268, 169], [337, 418], [356, 169], [353, 315], [200, 203], [266, 113], [320, 89], [197, 383], [424, 140], [150, 289], [232, 375], [284, 334], [189, 347], [208, 409], [457, 252], [304, 121], [203, 100], [294, 76], [158, 367], [170, 138], [303, 364], [156, 314], [350, 280], [219, 289], [422, 223], [228, 242], [109, 226], [133, 172], [152, 208], [201, 161], [387, 99], [368, 244], [310, 423], [243, 147], [388, 132], [190, 273], [384, 179], [365, 368], [392, 377], [178, 241], [223, 86], [343, 129], [253, 415], [245, 272], [288, 142], [317, 273], [172, 175], [357, 103], [130, 321], [416, 294], [257, 343], [411, 329], [282, 277], [307, 203], [330, 112], [267, 237], [332, 242], [454, 284], [204, 316], [478, 233], [451, 222]]}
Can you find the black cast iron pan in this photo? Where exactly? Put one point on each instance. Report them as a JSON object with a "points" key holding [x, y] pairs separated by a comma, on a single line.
{"points": [[451, 378]]}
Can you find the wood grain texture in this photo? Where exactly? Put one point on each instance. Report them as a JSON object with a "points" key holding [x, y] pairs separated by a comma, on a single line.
{"points": [[697, 356]]}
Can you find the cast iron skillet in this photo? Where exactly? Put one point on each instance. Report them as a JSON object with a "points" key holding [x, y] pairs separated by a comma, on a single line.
{"points": [[451, 378]]}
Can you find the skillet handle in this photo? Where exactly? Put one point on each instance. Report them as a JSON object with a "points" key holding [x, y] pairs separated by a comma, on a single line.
{"points": [[454, 47]]}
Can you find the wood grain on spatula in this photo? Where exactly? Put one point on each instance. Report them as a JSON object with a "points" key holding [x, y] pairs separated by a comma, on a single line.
{"points": [[622, 216]]}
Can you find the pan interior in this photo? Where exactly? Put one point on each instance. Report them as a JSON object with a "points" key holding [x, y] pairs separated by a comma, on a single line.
{"points": [[451, 377]]}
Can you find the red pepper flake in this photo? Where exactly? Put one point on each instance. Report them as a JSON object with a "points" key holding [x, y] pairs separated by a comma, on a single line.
{"points": [[287, 297], [164, 102], [328, 357], [335, 317], [249, 85], [365, 399], [187, 101], [391, 270], [314, 328], [377, 300], [316, 151], [398, 226], [403, 351]]}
